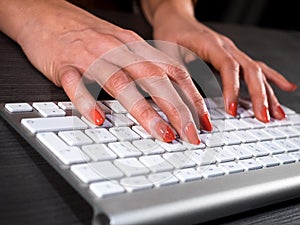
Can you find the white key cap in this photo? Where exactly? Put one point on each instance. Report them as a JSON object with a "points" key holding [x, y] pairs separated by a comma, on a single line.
{"points": [[268, 161], [222, 155], [124, 133], [201, 157], [100, 135], [295, 141], [238, 151], [106, 188], [216, 115], [119, 120], [156, 163], [211, 104], [296, 128], [285, 158], [256, 150], [148, 146], [239, 124], [271, 147], [18, 107], [141, 131], [231, 167], [52, 141], [275, 133], [254, 123], [106, 170], [230, 138], [250, 164], [289, 132], [132, 118], [225, 115], [124, 149], [136, 183], [245, 137], [75, 137], [186, 175], [174, 146], [210, 171], [66, 105], [287, 145], [86, 173], [52, 112], [222, 125], [212, 139], [99, 152], [295, 119], [191, 146], [244, 113], [287, 110], [44, 105], [106, 123], [131, 166], [36, 125], [273, 123], [179, 160], [115, 106], [163, 179], [296, 155], [260, 135]]}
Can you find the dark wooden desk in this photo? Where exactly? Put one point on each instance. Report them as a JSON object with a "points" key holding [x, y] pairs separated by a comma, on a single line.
{"points": [[32, 193]]}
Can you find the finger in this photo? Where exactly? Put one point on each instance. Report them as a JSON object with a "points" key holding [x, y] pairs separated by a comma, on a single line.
{"points": [[123, 88], [71, 81], [277, 78], [226, 65], [255, 81], [275, 109]]}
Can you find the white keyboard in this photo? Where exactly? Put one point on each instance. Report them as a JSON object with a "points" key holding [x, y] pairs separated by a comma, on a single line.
{"points": [[120, 157]]}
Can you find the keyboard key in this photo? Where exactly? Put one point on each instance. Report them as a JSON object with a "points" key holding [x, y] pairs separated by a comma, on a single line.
{"points": [[221, 154], [191, 146], [285, 158], [239, 124], [148, 146], [99, 152], [106, 123], [132, 184], [179, 160], [268, 161], [260, 134], [230, 138], [287, 145], [131, 167], [275, 133], [244, 113], [175, 146], [124, 149], [75, 137], [18, 107], [256, 150], [107, 170], [86, 173], [212, 139], [186, 175], [141, 131], [44, 105], [106, 188], [238, 151], [250, 164], [156, 163], [254, 123], [132, 118], [271, 147], [100, 135], [104, 108], [124, 133], [119, 120], [296, 155], [52, 112], [36, 125], [231, 167], [163, 179], [245, 137], [210, 171], [66, 105], [201, 157], [115, 106], [52, 141], [295, 119], [289, 132]]}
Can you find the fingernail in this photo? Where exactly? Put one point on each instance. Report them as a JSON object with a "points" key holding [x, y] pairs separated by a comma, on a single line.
{"points": [[265, 114], [280, 110], [206, 122], [294, 87], [233, 109], [191, 134], [96, 117], [163, 132]]}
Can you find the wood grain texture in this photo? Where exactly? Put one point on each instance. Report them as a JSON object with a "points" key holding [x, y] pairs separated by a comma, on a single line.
{"points": [[32, 193]]}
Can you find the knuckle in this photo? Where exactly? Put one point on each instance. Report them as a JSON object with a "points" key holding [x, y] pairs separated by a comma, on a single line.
{"points": [[117, 83], [178, 72], [131, 35]]}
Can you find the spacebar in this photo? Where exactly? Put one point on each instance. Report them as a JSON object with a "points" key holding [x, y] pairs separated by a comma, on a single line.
{"points": [[35, 125]]}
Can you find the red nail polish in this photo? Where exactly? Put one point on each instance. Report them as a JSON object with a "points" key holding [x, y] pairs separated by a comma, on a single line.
{"points": [[169, 136], [265, 114], [282, 113], [206, 122], [191, 134], [96, 117], [294, 87], [233, 109]]}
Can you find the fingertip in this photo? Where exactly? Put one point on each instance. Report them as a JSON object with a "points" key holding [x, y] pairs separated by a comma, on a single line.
{"points": [[232, 109], [264, 115], [205, 122], [96, 117]]}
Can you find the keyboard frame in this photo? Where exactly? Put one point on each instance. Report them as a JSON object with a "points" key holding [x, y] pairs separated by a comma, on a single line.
{"points": [[188, 203]]}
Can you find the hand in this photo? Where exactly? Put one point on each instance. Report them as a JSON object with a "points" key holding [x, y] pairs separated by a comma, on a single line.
{"points": [[174, 22], [65, 42]]}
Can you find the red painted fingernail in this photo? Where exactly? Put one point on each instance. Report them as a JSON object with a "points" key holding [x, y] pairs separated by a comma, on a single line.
{"points": [[280, 110], [294, 87], [233, 109], [169, 135], [265, 114], [206, 122], [191, 134], [96, 117]]}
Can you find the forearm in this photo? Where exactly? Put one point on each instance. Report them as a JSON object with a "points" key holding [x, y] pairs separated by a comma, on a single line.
{"points": [[158, 10], [19, 18]]}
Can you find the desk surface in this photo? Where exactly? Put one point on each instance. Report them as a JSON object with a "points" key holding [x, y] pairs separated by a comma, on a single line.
{"points": [[31, 192]]}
